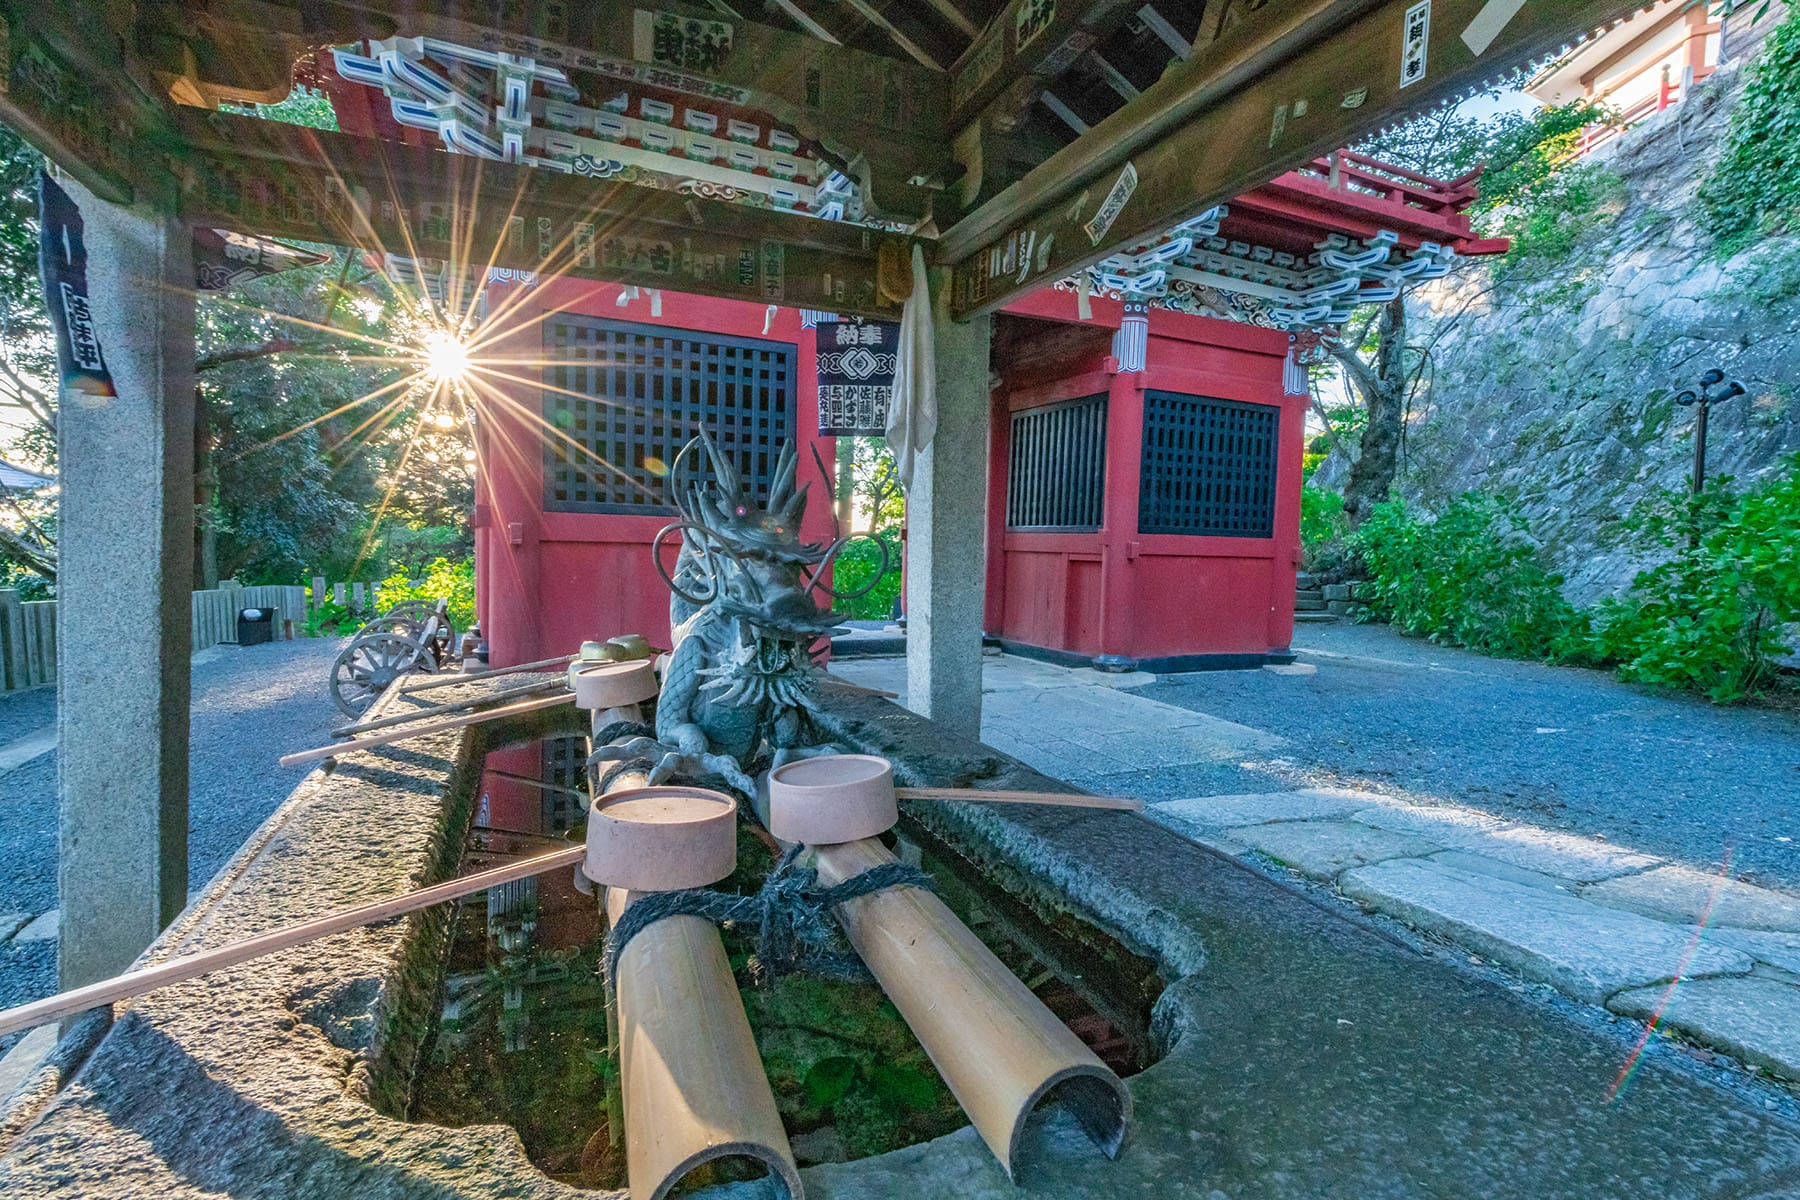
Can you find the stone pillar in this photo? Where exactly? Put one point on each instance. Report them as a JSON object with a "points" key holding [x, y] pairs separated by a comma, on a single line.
{"points": [[125, 570], [946, 528]]}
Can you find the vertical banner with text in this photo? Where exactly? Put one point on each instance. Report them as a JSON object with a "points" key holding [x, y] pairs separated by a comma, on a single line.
{"points": [[62, 261], [856, 376]]}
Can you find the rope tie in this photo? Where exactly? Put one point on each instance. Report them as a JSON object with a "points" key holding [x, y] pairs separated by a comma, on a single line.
{"points": [[791, 911]]}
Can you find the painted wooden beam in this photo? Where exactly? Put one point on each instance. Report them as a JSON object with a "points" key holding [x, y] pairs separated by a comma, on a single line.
{"points": [[1030, 43], [77, 121], [256, 176], [886, 116], [1231, 133], [1257, 42]]}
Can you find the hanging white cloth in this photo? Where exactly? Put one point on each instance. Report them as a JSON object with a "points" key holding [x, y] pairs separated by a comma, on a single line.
{"points": [[912, 410]]}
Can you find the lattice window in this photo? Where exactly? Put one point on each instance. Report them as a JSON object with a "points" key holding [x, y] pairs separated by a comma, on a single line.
{"points": [[565, 766], [1209, 466], [640, 392], [1056, 478]]}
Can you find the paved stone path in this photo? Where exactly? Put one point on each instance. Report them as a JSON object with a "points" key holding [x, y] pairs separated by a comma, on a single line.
{"points": [[1599, 919], [250, 706]]}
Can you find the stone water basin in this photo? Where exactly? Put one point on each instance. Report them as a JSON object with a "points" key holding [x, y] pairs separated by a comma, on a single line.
{"points": [[521, 1034]]}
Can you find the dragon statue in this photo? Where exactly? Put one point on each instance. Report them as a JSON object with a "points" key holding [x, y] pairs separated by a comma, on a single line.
{"points": [[740, 673]]}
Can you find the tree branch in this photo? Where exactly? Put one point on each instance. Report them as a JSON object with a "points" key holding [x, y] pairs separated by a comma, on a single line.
{"points": [[26, 555], [30, 398], [1361, 374], [277, 345], [1318, 406]]}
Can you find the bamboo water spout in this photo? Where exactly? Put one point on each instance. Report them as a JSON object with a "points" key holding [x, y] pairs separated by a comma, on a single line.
{"points": [[1002, 1053], [695, 1089], [694, 1086]]}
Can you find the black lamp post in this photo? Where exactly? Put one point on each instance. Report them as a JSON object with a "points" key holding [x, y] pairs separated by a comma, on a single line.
{"points": [[1706, 397]]}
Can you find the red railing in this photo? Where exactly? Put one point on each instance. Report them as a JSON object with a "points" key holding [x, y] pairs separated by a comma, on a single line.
{"points": [[1667, 95], [1346, 170]]}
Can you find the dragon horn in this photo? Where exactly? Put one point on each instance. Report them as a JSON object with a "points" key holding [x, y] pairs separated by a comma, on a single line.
{"points": [[730, 484], [795, 508], [786, 464]]}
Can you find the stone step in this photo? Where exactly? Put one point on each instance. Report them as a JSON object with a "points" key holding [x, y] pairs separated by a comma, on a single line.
{"points": [[1314, 618], [1309, 593], [1309, 606]]}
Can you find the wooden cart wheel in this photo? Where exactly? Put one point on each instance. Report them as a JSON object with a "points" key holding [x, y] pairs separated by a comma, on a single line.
{"points": [[369, 664], [403, 626], [444, 645]]}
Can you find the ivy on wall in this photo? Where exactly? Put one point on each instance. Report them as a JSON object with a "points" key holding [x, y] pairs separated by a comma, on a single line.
{"points": [[1754, 190]]}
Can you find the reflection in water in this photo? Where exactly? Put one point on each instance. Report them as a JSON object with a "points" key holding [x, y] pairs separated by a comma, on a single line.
{"points": [[523, 1039]]}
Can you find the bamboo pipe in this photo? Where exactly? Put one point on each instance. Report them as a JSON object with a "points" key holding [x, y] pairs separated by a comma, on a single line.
{"points": [[1058, 799], [400, 735], [467, 676], [998, 1048], [691, 1081], [419, 714], [188, 966], [694, 1087]]}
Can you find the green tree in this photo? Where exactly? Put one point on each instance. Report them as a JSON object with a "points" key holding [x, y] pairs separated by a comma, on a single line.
{"points": [[314, 459], [27, 360], [302, 459], [1523, 161]]}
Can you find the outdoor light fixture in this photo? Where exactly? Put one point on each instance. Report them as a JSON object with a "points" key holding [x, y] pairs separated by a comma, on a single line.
{"points": [[1705, 398]]}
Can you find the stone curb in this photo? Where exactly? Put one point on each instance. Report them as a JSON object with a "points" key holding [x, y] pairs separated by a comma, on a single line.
{"points": [[1600, 923]]}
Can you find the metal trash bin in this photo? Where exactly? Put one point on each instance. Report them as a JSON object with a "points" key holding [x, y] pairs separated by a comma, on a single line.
{"points": [[255, 626]]}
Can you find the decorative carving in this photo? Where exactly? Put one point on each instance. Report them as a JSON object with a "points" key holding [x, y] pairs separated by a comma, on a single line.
{"points": [[740, 676]]}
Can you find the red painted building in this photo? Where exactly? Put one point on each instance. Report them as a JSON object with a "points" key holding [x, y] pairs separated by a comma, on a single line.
{"points": [[569, 491], [563, 541], [1150, 516]]}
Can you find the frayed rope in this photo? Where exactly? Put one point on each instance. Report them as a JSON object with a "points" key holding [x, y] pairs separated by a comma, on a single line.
{"points": [[795, 931]]}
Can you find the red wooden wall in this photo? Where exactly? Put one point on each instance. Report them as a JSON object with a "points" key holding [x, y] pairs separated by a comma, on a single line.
{"points": [[1187, 601], [547, 581]]}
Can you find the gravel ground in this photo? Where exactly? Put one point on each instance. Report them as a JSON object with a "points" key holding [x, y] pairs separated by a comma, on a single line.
{"points": [[250, 706], [1572, 749]]}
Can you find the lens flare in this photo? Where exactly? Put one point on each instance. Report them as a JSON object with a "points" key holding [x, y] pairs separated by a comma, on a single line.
{"points": [[444, 357]]}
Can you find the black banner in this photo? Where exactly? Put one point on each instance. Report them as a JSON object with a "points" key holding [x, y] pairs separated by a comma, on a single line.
{"points": [[222, 259], [62, 261], [856, 376]]}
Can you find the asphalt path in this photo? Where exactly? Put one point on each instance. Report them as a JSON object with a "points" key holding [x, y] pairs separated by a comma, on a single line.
{"points": [[250, 706], [1662, 772]]}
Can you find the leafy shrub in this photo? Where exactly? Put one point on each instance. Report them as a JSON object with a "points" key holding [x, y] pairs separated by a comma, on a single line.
{"points": [[1754, 188], [331, 617], [1710, 618], [1323, 528], [856, 565], [442, 579], [1555, 215], [1468, 578]]}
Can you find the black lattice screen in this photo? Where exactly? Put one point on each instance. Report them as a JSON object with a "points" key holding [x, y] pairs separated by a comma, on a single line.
{"points": [[565, 765], [641, 391], [1056, 478], [1209, 466]]}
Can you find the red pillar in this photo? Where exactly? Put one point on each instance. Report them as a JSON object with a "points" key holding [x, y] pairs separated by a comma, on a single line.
{"points": [[1124, 454]]}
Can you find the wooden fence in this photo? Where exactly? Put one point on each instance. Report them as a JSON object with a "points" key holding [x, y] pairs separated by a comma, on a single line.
{"points": [[358, 597], [28, 628]]}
